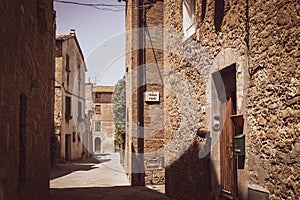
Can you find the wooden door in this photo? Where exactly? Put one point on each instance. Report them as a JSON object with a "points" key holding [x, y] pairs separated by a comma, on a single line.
{"points": [[228, 161], [68, 146], [97, 145]]}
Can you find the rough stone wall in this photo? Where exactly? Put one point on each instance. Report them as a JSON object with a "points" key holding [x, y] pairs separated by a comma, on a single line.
{"points": [[189, 104], [269, 101], [273, 107], [27, 67]]}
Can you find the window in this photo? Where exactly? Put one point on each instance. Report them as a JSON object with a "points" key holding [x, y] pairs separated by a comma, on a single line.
{"points": [[67, 62], [219, 14], [74, 136], [97, 126], [98, 109], [78, 137], [98, 95], [68, 68], [79, 111], [79, 78], [68, 107], [188, 11]]}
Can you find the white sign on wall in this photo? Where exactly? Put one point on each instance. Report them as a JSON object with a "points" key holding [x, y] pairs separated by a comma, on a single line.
{"points": [[152, 96]]}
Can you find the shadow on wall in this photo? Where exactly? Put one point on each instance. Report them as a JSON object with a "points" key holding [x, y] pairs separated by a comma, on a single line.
{"points": [[96, 193], [189, 177]]}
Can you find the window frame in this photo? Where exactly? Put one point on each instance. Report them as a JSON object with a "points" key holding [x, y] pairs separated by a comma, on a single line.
{"points": [[98, 128], [188, 22]]}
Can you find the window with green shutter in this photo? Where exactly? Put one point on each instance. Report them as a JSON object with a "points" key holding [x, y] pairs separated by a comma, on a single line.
{"points": [[97, 126]]}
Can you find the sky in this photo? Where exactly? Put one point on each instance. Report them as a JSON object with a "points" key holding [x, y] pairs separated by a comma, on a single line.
{"points": [[101, 35]]}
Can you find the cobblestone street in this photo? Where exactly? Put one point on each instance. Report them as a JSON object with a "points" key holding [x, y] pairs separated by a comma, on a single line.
{"points": [[93, 179]]}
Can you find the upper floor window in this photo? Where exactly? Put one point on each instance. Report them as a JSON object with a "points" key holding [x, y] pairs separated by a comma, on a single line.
{"points": [[67, 62], [98, 109], [188, 12], [97, 126], [98, 94], [68, 108], [79, 77], [80, 111], [68, 69]]}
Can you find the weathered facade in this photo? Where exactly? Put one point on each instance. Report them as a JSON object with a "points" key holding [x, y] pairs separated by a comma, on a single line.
{"points": [[230, 68], [102, 119], [69, 96], [88, 124], [144, 145], [26, 98]]}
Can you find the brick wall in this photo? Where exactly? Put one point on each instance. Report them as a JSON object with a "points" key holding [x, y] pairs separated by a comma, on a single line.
{"points": [[28, 68]]}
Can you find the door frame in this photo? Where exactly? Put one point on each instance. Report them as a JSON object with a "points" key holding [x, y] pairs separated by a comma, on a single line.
{"points": [[225, 84]]}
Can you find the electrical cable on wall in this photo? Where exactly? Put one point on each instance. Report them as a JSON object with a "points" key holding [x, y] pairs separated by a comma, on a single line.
{"points": [[100, 6]]}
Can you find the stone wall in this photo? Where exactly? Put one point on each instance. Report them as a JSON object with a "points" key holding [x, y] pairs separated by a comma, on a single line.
{"points": [[260, 39], [273, 107], [26, 98]]}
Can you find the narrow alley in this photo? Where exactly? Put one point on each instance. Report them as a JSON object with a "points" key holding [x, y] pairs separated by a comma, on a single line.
{"points": [[99, 177], [150, 100]]}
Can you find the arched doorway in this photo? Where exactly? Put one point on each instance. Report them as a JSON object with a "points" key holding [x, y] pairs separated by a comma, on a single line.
{"points": [[97, 145]]}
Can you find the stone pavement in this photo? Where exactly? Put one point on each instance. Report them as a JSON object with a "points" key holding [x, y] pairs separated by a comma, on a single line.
{"points": [[95, 179]]}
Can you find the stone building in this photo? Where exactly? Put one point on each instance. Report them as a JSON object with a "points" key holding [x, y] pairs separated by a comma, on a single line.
{"points": [[230, 75], [26, 98], [99, 105], [144, 145], [102, 125], [70, 71]]}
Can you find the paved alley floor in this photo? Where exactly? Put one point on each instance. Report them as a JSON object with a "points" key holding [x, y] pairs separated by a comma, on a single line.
{"points": [[95, 179]]}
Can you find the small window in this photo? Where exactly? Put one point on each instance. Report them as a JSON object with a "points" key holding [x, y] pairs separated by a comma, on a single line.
{"points": [[74, 136], [188, 12], [98, 109], [79, 111], [98, 95], [78, 137], [67, 62], [97, 126], [79, 78], [68, 106]]}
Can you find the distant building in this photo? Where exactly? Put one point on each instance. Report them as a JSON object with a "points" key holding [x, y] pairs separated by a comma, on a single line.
{"points": [[70, 71], [26, 98], [102, 120]]}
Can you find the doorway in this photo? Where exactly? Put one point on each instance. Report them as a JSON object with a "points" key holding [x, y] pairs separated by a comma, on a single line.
{"points": [[97, 145], [225, 81], [68, 147]]}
